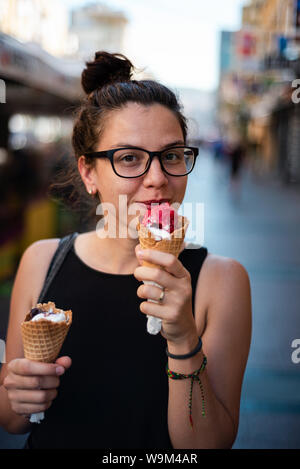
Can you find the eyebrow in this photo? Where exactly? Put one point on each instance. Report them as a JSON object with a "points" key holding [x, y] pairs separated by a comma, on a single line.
{"points": [[128, 145]]}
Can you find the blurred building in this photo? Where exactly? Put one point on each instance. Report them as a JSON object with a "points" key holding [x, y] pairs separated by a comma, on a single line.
{"points": [[42, 22], [98, 27], [275, 22], [258, 66], [199, 108], [227, 52], [41, 88]]}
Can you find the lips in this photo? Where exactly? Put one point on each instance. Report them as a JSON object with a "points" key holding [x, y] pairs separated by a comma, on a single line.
{"points": [[154, 201]]}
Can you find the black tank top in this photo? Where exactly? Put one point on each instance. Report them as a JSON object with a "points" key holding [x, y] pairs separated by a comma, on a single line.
{"points": [[115, 394]]}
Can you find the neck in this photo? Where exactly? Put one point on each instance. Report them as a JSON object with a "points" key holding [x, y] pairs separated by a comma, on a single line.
{"points": [[117, 254]]}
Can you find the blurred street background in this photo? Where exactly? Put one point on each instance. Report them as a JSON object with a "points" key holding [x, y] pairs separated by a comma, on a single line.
{"points": [[236, 68]]}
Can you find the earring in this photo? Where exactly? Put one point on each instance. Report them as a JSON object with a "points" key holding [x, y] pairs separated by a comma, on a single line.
{"points": [[90, 191]]}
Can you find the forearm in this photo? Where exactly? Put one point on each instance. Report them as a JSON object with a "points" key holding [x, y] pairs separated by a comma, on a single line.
{"points": [[216, 429], [9, 420]]}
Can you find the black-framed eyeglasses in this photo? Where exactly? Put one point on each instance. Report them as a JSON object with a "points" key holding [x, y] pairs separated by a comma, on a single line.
{"points": [[133, 162]]}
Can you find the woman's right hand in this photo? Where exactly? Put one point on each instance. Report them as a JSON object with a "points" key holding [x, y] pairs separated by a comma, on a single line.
{"points": [[32, 386]]}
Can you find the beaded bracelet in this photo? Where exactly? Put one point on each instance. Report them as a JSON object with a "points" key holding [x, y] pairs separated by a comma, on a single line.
{"points": [[194, 377]]}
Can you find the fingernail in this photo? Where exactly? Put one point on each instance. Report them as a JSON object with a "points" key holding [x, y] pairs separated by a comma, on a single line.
{"points": [[140, 253], [59, 370]]}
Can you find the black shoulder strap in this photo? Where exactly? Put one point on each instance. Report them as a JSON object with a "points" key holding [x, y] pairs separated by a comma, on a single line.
{"points": [[63, 247]]}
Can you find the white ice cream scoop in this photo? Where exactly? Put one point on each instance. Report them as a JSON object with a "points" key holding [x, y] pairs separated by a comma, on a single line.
{"points": [[54, 317]]}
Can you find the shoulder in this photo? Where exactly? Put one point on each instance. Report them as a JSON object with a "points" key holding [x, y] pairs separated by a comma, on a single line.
{"points": [[39, 251], [34, 264], [225, 279], [223, 289], [226, 284], [224, 268], [43, 244]]}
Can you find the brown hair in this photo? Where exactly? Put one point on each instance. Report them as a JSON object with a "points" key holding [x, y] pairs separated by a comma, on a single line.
{"points": [[107, 82]]}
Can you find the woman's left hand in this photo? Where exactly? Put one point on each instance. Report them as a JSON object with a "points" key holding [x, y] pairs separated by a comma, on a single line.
{"points": [[175, 309]]}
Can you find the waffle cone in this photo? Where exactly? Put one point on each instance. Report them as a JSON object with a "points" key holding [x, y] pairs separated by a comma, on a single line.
{"points": [[172, 245], [43, 339]]}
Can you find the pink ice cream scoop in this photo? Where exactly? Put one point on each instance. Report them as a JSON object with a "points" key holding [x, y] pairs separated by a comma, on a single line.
{"points": [[161, 217]]}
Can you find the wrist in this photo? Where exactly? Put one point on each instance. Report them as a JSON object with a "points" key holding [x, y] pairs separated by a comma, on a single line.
{"points": [[183, 346]]}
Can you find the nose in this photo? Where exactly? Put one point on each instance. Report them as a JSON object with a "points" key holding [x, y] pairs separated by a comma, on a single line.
{"points": [[155, 176]]}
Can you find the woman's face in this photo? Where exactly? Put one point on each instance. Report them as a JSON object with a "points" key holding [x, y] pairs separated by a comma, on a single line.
{"points": [[149, 127]]}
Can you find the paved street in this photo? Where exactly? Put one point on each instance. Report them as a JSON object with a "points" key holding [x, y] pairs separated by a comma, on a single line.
{"points": [[262, 231]]}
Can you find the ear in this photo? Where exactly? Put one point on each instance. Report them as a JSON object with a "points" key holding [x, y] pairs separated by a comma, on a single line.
{"points": [[86, 171]]}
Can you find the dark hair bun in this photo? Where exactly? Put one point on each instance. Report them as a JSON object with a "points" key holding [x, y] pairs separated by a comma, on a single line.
{"points": [[106, 68]]}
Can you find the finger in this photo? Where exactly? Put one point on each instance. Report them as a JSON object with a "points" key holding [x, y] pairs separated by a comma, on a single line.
{"points": [[28, 409], [32, 397], [25, 367], [137, 249], [66, 362], [154, 275], [154, 309], [31, 382], [49, 382], [151, 292], [168, 261]]}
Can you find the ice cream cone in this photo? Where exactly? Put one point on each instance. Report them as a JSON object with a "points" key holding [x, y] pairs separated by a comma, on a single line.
{"points": [[173, 245], [43, 339]]}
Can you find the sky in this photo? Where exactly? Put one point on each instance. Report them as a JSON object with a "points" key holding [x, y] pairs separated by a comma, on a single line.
{"points": [[176, 40]]}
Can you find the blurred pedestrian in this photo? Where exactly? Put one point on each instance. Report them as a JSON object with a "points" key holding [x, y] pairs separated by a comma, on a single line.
{"points": [[236, 155], [218, 147]]}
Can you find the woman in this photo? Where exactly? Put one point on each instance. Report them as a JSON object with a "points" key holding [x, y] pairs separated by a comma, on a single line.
{"points": [[114, 391]]}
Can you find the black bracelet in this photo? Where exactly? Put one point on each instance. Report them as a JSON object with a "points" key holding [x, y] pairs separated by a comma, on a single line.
{"points": [[186, 355]]}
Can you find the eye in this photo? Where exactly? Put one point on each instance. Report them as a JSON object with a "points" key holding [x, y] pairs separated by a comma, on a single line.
{"points": [[128, 158], [171, 156]]}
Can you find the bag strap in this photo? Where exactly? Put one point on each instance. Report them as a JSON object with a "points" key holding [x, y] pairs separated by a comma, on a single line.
{"points": [[63, 248]]}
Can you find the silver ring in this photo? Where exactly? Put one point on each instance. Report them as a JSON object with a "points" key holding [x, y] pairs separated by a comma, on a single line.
{"points": [[161, 296]]}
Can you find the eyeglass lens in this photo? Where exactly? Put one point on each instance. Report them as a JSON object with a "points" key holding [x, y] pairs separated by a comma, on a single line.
{"points": [[130, 162]]}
